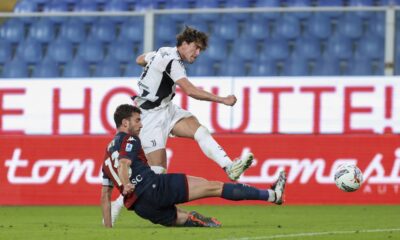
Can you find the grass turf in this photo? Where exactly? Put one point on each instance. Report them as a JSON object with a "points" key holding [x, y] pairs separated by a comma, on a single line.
{"points": [[239, 222]]}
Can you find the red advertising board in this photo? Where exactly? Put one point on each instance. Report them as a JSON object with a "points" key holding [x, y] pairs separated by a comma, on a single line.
{"points": [[65, 170]]}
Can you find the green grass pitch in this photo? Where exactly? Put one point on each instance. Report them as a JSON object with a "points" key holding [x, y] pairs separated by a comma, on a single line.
{"points": [[239, 222]]}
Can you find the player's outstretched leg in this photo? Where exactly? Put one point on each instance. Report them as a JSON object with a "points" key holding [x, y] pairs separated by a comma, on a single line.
{"points": [[238, 166], [279, 188], [195, 219]]}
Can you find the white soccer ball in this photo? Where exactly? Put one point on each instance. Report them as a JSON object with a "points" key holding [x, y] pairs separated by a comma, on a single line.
{"points": [[348, 177]]}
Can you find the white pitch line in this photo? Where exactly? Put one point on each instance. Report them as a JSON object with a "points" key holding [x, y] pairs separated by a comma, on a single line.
{"points": [[312, 234]]}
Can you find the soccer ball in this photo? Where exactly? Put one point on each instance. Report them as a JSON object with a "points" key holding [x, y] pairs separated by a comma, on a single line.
{"points": [[348, 177]]}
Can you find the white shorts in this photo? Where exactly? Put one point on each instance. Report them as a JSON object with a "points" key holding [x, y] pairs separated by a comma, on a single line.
{"points": [[157, 125]]}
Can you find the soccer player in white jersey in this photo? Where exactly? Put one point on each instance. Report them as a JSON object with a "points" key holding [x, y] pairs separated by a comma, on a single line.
{"points": [[163, 70]]}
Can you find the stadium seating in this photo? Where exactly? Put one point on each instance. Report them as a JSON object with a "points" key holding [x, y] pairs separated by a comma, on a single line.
{"points": [[13, 31], [266, 43], [46, 69], [5, 51], [15, 69], [108, 68], [30, 51], [76, 68], [42, 30]]}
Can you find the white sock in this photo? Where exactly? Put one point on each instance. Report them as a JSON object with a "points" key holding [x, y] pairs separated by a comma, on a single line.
{"points": [[211, 148], [120, 200], [271, 195], [158, 169]]}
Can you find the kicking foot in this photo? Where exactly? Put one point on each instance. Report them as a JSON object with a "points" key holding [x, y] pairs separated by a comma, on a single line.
{"points": [[279, 188], [238, 166], [195, 219]]}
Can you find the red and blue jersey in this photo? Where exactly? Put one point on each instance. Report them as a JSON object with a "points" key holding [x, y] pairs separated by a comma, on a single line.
{"points": [[127, 146]]}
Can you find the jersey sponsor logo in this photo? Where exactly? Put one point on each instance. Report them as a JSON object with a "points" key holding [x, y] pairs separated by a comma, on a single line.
{"points": [[131, 139], [128, 147]]}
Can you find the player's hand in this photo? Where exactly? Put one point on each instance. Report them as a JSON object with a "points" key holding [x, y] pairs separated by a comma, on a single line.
{"points": [[128, 189], [229, 100]]}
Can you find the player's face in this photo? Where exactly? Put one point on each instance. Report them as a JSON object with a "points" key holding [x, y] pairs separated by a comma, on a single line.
{"points": [[190, 51], [135, 124]]}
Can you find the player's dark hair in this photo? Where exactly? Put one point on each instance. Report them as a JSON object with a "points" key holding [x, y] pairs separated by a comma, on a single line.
{"points": [[124, 111], [190, 35]]}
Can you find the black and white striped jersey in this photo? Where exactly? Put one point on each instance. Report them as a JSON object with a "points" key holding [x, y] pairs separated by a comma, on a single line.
{"points": [[157, 82]]}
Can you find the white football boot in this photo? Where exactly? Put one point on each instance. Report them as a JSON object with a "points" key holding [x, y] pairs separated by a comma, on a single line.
{"points": [[238, 166]]}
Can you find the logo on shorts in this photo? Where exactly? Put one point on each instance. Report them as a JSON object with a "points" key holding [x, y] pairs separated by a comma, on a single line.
{"points": [[153, 142]]}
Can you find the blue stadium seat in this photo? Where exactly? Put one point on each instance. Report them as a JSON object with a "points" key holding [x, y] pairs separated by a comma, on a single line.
{"points": [[56, 6], [132, 29], [73, 30], [339, 47], [372, 47], [116, 6], [267, 3], [326, 67], [350, 25], [165, 29], [30, 51], [288, 27], [13, 31], [207, 16], [300, 3], [26, 6], [363, 14], [361, 3], [232, 67], [91, 51], [178, 4], [144, 5], [377, 25], [122, 51], [108, 69], [227, 28], [60, 51], [328, 3], [42, 30], [359, 67], [397, 66], [133, 70], [86, 6], [103, 30], [319, 26], [198, 24], [296, 66], [308, 47], [238, 4], [245, 48], [76, 68], [264, 68], [217, 49], [275, 49], [5, 51], [202, 69], [46, 69], [257, 29], [15, 69]]}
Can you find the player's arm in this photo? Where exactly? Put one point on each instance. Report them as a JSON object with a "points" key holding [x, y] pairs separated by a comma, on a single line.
{"points": [[140, 60], [106, 205], [143, 59], [123, 173], [200, 94]]}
